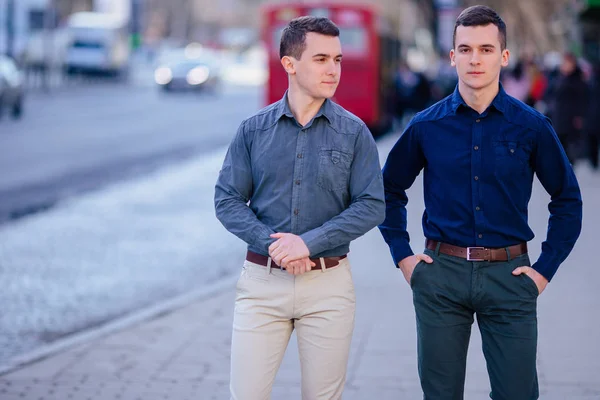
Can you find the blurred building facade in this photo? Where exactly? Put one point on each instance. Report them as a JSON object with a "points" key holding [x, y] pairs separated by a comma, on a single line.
{"points": [[205, 20], [18, 19], [534, 26]]}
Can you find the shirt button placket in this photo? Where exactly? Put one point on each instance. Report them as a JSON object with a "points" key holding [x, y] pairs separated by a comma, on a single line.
{"points": [[476, 165], [298, 171]]}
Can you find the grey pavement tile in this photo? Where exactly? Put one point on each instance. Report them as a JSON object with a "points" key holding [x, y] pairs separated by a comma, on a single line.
{"points": [[49, 367], [382, 394], [12, 396], [363, 384], [381, 365], [184, 373], [567, 389]]}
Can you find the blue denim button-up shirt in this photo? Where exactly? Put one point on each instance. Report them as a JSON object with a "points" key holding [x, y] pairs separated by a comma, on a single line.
{"points": [[478, 174], [322, 181]]}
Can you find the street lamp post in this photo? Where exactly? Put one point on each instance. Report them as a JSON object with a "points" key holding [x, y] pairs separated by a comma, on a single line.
{"points": [[136, 25], [10, 27], [49, 48], [446, 12]]}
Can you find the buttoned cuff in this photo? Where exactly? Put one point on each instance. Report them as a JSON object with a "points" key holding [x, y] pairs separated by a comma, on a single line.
{"points": [[264, 240], [316, 240], [400, 250], [546, 266]]}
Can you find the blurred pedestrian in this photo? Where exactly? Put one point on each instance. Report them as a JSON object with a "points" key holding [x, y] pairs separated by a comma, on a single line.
{"points": [[539, 84], [445, 79], [300, 181], [36, 63], [413, 91], [479, 150], [516, 82], [569, 105], [592, 122], [552, 61]]}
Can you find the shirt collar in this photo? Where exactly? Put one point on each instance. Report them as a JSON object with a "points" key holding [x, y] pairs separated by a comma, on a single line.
{"points": [[283, 108], [499, 102], [457, 100]]}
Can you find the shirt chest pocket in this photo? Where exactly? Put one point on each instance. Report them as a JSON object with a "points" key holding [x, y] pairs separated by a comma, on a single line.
{"points": [[511, 158], [334, 169]]}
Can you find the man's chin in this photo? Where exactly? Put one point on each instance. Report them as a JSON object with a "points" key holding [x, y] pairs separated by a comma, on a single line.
{"points": [[328, 94], [323, 96], [322, 93], [477, 85]]}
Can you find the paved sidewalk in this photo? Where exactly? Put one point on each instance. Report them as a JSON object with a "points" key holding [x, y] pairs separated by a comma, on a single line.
{"points": [[184, 354]]}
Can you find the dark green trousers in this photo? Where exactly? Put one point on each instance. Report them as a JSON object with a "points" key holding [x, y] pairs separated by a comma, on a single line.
{"points": [[447, 294]]}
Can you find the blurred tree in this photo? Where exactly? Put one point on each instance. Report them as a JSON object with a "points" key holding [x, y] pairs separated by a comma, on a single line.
{"points": [[67, 7], [533, 26]]}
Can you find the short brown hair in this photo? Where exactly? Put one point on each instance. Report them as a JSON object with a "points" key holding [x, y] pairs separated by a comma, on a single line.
{"points": [[293, 38], [481, 16]]}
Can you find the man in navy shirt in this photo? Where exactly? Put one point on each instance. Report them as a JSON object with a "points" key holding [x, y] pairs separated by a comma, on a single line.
{"points": [[479, 149]]}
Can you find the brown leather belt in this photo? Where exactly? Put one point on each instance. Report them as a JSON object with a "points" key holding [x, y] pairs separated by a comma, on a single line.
{"points": [[262, 260], [478, 253]]}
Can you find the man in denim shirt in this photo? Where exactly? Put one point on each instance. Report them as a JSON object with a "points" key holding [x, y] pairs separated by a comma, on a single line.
{"points": [[300, 181], [479, 149]]}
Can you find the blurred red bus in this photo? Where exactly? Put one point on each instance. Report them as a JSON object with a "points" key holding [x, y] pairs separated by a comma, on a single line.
{"points": [[371, 52]]}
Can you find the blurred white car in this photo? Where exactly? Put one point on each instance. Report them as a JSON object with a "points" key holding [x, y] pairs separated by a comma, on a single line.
{"points": [[187, 74], [189, 68], [12, 88], [99, 44]]}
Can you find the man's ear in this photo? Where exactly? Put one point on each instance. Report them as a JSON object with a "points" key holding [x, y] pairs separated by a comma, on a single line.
{"points": [[505, 57], [288, 64], [452, 58]]}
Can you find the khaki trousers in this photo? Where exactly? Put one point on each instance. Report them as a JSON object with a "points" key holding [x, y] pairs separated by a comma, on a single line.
{"points": [[270, 304]]}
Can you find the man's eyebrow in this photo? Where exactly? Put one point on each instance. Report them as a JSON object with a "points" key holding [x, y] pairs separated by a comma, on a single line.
{"points": [[326, 55], [487, 46]]}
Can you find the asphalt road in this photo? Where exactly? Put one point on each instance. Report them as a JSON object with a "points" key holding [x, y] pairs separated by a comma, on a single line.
{"points": [[83, 137]]}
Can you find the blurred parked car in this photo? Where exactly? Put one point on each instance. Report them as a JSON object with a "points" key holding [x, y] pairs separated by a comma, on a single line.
{"points": [[12, 88], [99, 45], [188, 74]]}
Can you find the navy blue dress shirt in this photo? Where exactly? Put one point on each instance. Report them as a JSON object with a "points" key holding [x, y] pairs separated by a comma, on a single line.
{"points": [[478, 178]]}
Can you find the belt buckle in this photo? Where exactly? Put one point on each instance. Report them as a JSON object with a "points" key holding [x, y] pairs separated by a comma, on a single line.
{"points": [[469, 253]]}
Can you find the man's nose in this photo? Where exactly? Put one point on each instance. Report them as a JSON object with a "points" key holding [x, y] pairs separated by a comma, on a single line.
{"points": [[475, 58], [331, 68]]}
